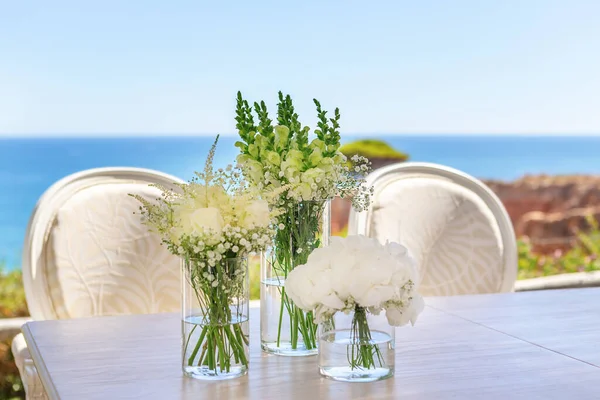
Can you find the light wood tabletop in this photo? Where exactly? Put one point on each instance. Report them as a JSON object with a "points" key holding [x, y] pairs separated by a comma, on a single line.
{"points": [[534, 345]]}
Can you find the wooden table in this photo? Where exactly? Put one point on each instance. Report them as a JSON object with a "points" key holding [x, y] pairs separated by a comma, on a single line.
{"points": [[531, 345]]}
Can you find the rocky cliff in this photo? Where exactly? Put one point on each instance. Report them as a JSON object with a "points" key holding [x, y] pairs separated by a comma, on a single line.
{"points": [[550, 210]]}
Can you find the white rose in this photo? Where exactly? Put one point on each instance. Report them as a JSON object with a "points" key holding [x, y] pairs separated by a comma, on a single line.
{"points": [[211, 196], [200, 220], [257, 214]]}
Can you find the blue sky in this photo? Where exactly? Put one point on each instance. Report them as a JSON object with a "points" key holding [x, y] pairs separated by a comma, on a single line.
{"points": [[173, 67]]}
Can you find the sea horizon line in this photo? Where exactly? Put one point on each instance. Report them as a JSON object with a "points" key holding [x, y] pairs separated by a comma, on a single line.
{"points": [[367, 135]]}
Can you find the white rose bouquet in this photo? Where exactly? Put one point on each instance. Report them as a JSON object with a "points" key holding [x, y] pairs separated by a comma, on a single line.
{"points": [[211, 222], [361, 275], [306, 174]]}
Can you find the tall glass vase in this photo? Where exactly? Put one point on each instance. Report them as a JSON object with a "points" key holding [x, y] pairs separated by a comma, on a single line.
{"points": [[215, 318], [356, 347], [284, 328]]}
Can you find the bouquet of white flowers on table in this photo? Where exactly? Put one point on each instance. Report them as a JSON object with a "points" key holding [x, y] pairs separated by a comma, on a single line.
{"points": [[358, 275], [213, 223], [306, 175]]}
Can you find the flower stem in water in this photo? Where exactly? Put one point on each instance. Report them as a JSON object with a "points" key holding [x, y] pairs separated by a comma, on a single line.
{"points": [[362, 353]]}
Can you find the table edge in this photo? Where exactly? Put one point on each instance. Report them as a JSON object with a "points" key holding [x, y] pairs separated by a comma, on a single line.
{"points": [[39, 363]]}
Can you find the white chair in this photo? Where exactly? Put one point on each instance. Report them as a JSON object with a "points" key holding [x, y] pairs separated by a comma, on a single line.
{"points": [[454, 225], [87, 254]]}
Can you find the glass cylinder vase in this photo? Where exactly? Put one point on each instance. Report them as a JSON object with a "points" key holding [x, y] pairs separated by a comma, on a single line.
{"points": [[356, 347], [284, 328], [215, 318]]}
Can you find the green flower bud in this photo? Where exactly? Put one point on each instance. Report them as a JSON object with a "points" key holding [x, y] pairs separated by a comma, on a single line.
{"points": [[273, 158], [253, 150], [241, 145], [296, 155], [282, 133], [316, 156], [243, 158], [317, 143], [305, 191]]}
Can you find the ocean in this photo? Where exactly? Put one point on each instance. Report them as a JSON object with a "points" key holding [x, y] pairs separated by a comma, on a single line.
{"points": [[29, 166]]}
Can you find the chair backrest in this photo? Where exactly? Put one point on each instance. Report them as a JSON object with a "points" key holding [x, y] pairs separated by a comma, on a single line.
{"points": [[454, 225], [87, 254]]}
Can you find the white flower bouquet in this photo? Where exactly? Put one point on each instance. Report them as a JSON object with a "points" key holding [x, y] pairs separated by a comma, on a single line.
{"points": [[213, 223], [361, 276], [300, 176]]}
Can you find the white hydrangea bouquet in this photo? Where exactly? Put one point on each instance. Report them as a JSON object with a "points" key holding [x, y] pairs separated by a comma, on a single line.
{"points": [[213, 223], [304, 175], [358, 275]]}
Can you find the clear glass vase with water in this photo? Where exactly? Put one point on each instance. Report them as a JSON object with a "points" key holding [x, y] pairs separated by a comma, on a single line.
{"points": [[284, 328], [356, 347], [215, 330]]}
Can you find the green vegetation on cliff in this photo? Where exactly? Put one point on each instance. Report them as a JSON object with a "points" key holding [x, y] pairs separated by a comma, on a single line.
{"points": [[12, 304], [584, 256], [12, 294], [371, 149]]}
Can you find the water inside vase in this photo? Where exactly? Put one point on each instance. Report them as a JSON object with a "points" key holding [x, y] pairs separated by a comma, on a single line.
{"points": [[337, 349], [195, 360], [276, 332]]}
